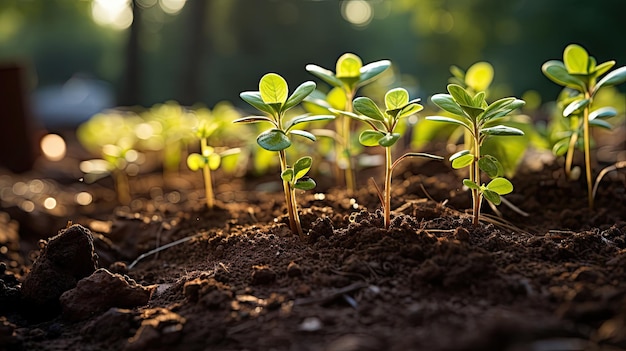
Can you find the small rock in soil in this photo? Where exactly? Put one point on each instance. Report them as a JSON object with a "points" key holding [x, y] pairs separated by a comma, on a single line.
{"points": [[64, 260], [101, 291], [159, 329], [294, 270], [209, 292], [263, 275]]}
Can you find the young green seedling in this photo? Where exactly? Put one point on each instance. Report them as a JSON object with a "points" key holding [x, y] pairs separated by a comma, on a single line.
{"points": [[274, 100], [208, 159], [383, 124], [580, 72], [481, 120], [350, 75]]}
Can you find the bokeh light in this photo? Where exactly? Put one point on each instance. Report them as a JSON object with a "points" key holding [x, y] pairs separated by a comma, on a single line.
{"points": [[116, 14], [53, 147], [172, 7], [357, 12]]}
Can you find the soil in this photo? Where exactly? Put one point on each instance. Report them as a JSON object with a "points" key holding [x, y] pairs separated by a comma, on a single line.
{"points": [[237, 279]]}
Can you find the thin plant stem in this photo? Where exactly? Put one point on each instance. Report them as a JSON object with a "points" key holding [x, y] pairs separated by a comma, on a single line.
{"points": [[208, 183], [570, 154], [387, 196], [292, 211], [475, 177], [586, 142], [346, 134]]}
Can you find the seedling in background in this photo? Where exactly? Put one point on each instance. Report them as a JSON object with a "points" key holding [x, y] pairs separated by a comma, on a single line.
{"points": [[383, 133], [274, 100], [580, 72], [208, 159], [481, 120], [350, 75]]}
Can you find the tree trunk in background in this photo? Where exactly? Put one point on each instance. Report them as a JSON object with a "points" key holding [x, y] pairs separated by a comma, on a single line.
{"points": [[195, 52], [131, 84]]}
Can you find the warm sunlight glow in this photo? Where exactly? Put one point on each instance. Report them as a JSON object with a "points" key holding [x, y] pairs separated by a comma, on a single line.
{"points": [[50, 203], [53, 147], [357, 12], [83, 198], [113, 13], [172, 7]]}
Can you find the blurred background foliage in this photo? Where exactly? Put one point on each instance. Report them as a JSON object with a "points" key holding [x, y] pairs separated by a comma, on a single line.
{"points": [[206, 51]]}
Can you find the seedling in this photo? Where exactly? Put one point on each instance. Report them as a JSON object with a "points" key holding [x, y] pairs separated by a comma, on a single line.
{"points": [[350, 75], [580, 72], [208, 159], [480, 119], [383, 133], [274, 100]]}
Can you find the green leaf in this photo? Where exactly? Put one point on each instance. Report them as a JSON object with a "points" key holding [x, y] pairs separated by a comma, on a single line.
{"points": [[287, 175], [396, 98], [575, 106], [305, 183], [447, 103], [479, 76], [603, 68], [479, 100], [336, 98], [370, 137], [491, 166], [576, 59], [409, 110], [367, 107], [460, 95], [308, 118], [600, 123], [462, 160], [556, 72], [273, 140], [273, 89], [496, 107], [615, 77], [389, 139], [451, 120], [370, 71], [303, 133], [301, 92], [492, 196], [348, 66], [560, 147], [254, 98], [458, 154], [501, 186], [472, 111], [501, 130], [195, 161], [254, 119], [214, 161], [603, 112], [324, 74], [471, 185], [302, 166]]}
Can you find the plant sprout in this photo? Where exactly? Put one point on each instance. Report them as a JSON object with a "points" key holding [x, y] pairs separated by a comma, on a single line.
{"points": [[481, 121], [350, 75], [580, 72], [383, 133], [274, 100], [208, 159]]}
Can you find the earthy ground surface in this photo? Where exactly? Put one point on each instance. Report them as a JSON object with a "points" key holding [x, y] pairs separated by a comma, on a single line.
{"points": [[554, 280]]}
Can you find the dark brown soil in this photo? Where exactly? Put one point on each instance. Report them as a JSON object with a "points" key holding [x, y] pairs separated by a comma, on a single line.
{"points": [[554, 280]]}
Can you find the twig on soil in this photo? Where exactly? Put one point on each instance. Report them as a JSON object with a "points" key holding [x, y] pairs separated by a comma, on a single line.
{"points": [[603, 172], [161, 248]]}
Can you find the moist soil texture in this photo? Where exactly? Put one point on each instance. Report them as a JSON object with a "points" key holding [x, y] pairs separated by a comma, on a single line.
{"points": [[166, 273]]}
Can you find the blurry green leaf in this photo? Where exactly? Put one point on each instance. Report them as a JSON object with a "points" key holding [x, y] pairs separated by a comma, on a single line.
{"points": [[479, 100], [448, 120], [196, 161], [471, 185], [254, 98], [371, 70], [462, 161], [253, 119], [600, 123], [336, 98], [492, 196], [273, 140], [576, 59], [273, 89], [302, 166], [305, 183], [496, 107], [603, 112], [491, 166], [556, 72], [348, 66], [303, 133], [389, 139], [615, 77], [447, 103], [409, 110], [301, 92], [560, 147], [603, 68], [575, 106], [370, 137], [501, 130], [367, 107], [479, 76], [324, 74], [396, 98], [501, 186], [308, 118], [214, 161], [287, 175]]}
